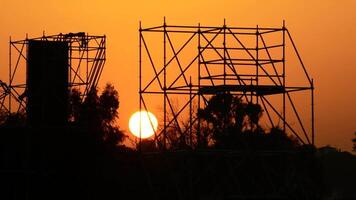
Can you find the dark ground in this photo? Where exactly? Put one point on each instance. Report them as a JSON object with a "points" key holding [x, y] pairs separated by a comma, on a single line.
{"points": [[59, 164]]}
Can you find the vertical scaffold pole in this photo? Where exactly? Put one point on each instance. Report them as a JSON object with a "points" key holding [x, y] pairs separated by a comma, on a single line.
{"points": [[164, 85], [199, 63], [284, 76], [224, 45], [190, 113], [10, 81], [86, 41], [312, 112], [139, 83], [257, 35]]}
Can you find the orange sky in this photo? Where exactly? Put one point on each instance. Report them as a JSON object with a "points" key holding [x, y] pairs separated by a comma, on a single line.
{"points": [[324, 32]]}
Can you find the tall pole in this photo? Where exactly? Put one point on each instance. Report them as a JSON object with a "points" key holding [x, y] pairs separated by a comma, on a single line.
{"points": [[72, 81], [164, 85], [257, 35], [139, 82], [10, 81], [86, 43], [224, 44], [257, 63], [199, 63], [224, 47], [284, 77], [190, 113], [312, 112]]}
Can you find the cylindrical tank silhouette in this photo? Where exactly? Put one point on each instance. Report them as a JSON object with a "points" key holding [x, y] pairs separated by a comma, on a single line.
{"points": [[47, 83]]}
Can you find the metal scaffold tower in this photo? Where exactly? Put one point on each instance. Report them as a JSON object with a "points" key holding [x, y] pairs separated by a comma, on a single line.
{"points": [[183, 66], [84, 55]]}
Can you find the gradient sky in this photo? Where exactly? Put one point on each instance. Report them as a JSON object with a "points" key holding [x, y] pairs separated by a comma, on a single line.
{"points": [[324, 31]]}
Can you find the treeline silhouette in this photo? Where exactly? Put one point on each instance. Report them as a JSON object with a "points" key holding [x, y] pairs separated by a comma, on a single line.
{"points": [[226, 122], [232, 157], [63, 162], [339, 172]]}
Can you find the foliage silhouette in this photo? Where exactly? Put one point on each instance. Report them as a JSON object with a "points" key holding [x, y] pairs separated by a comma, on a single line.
{"points": [[339, 174], [226, 123], [97, 114], [13, 119], [84, 161], [230, 123]]}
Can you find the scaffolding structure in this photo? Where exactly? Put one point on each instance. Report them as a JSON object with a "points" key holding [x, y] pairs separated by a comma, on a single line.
{"points": [[196, 62], [86, 59]]}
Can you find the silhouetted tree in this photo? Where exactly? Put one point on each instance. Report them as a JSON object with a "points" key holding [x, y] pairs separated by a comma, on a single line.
{"points": [[147, 145], [75, 102], [109, 103], [231, 123], [13, 120], [226, 117], [279, 139], [2, 116], [97, 114], [177, 133]]}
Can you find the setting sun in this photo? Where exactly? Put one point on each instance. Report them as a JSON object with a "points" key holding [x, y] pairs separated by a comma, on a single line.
{"points": [[146, 120]]}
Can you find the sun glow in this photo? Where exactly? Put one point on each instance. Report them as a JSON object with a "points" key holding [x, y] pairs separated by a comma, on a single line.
{"points": [[143, 121]]}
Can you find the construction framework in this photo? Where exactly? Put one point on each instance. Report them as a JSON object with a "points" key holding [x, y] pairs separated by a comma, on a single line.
{"points": [[196, 62], [86, 59]]}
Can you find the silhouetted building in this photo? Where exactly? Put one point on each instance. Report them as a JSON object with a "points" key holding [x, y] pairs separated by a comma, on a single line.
{"points": [[47, 83]]}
